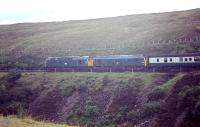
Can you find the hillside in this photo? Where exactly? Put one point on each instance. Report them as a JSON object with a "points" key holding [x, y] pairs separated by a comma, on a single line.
{"points": [[103, 99], [172, 32]]}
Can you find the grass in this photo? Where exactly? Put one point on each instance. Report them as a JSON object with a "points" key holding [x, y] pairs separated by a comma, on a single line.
{"points": [[147, 78], [52, 77], [171, 83], [13, 121]]}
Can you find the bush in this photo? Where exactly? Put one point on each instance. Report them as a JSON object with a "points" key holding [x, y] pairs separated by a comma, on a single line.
{"points": [[196, 111], [133, 117], [4, 97], [105, 80], [91, 111], [68, 91], [150, 109], [156, 94], [189, 98], [121, 115], [13, 75], [15, 108], [84, 116], [82, 88]]}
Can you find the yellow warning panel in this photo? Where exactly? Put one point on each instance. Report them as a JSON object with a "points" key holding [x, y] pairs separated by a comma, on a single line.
{"points": [[146, 61], [90, 62]]}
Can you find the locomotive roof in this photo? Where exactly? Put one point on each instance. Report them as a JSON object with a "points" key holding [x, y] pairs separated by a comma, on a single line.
{"points": [[74, 57], [118, 56], [176, 55]]}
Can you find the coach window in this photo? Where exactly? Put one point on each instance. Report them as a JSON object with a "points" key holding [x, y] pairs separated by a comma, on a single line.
{"points": [[190, 59], [181, 59], [165, 60], [186, 59], [157, 60], [170, 59]]}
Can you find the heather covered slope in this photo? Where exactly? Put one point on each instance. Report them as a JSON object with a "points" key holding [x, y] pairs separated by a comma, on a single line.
{"points": [[104, 99], [173, 32]]}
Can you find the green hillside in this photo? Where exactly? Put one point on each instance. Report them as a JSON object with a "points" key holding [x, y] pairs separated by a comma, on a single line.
{"points": [[173, 32]]}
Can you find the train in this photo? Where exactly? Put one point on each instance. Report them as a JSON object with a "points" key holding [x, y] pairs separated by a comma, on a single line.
{"points": [[140, 62]]}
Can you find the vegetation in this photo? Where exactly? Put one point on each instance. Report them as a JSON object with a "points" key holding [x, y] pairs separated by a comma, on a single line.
{"points": [[189, 99], [13, 121], [156, 94], [181, 107], [150, 109], [96, 99], [13, 76]]}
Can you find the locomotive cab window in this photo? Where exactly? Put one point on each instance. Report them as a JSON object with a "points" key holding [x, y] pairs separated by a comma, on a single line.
{"points": [[165, 60]]}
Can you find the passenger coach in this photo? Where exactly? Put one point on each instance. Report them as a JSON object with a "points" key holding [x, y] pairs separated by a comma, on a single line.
{"points": [[174, 61]]}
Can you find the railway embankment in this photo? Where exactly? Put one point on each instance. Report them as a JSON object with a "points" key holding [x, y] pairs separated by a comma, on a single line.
{"points": [[103, 99]]}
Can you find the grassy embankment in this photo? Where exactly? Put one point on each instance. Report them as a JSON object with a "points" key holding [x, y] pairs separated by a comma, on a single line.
{"points": [[13, 121], [86, 98]]}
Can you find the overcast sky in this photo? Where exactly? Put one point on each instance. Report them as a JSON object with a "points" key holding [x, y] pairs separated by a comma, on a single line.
{"points": [[15, 11]]}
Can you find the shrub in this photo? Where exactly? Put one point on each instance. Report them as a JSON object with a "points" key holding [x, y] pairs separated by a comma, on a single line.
{"points": [[15, 108], [67, 91], [105, 80], [2, 92], [196, 111], [121, 115], [91, 111], [84, 116], [13, 75], [133, 116], [156, 94], [82, 88], [189, 98], [90, 114], [150, 109], [105, 121]]}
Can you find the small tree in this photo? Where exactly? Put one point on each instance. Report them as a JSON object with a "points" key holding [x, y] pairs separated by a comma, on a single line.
{"points": [[13, 75], [156, 94], [105, 80], [150, 109]]}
